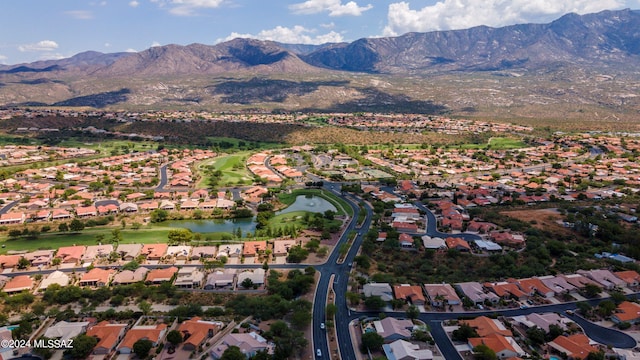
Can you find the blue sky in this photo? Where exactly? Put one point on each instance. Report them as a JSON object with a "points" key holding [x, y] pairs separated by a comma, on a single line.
{"points": [[52, 29]]}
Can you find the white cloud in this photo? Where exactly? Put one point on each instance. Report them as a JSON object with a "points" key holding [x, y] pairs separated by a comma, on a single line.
{"points": [[462, 14], [187, 7], [107, 45], [155, 43], [44, 45], [130, 50], [52, 56], [3, 59], [334, 7], [295, 35], [80, 14], [134, 3]]}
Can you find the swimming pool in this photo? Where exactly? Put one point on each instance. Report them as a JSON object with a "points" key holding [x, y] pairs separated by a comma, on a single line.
{"points": [[554, 358]]}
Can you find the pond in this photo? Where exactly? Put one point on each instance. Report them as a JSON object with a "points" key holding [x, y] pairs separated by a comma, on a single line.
{"points": [[313, 204], [214, 225]]}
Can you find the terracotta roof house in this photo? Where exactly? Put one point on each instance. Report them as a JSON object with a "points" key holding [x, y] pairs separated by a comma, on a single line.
{"points": [[476, 293], [632, 278], [86, 211], [627, 312], [130, 277], [441, 294], [154, 251], [485, 326], [392, 329], [409, 293], [56, 277], [253, 248], [534, 286], [12, 218], [70, 254], [504, 347], [108, 336], [457, 243], [558, 284], [506, 290], [9, 261], [129, 252], [157, 276], [155, 333], [18, 283], [196, 331], [575, 346], [96, 277], [249, 344], [578, 280]]}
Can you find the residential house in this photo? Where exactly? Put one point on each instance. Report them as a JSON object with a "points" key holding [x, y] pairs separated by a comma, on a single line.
{"points": [[249, 344], [189, 278], [404, 350], [627, 312], [86, 211], [256, 276], [70, 254], [506, 290], [440, 295], [409, 293], [154, 252], [383, 290], [96, 277], [542, 321], [220, 279], [108, 336], [281, 247], [605, 278], [253, 249], [203, 252], [39, 257], [154, 333], [392, 329], [178, 252], [229, 250], [504, 347], [532, 286], [457, 244], [485, 326], [95, 252], [128, 207], [434, 243], [578, 280], [129, 252], [575, 346], [60, 214], [158, 276], [476, 293], [558, 284], [196, 332], [130, 277], [64, 330], [13, 217], [9, 261], [56, 277], [507, 238], [630, 277], [406, 241], [18, 283]]}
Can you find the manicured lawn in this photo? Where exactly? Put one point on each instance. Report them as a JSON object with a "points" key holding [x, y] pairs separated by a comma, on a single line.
{"points": [[339, 203], [294, 217], [55, 240], [233, 168], [497, 143]]}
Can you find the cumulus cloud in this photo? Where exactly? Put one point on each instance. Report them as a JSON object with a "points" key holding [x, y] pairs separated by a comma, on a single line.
{"points": [[155, 43], [295, 35], [44, 45], [334, 7], [134, 3], [80, 14], [130, 50], [187, 7], [462, 14]]}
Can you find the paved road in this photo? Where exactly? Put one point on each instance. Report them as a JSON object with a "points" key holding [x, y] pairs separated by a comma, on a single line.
{"points": [[163, 178], [8, 207]]}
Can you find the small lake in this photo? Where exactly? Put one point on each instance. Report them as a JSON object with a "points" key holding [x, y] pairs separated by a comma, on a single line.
{"points": [[313, 204], [303, 203]]}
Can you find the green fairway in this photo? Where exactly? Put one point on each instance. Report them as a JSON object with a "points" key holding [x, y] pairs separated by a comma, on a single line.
{"points": [[233, 169], [497, 143], [145, 235]]}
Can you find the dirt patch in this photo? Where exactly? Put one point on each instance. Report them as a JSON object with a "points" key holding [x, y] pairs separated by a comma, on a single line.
{"points": [[543, 219]]}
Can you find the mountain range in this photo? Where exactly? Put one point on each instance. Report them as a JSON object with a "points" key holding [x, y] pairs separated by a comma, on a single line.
{"points": [[560, 61]]}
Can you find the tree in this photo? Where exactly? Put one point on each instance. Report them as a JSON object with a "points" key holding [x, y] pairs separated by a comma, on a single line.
{"points": [[372, 341], [145, 307], [591, 290], [483, 352], [82, 347], [63, 227], [116, 236], [178, 236], [331, 310], [23, 263], [247, 283], [374, 302], [76, 225], [413, 312], [142, 347], [464, 332], [158, 215], [174, 337], [233, 353]]}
